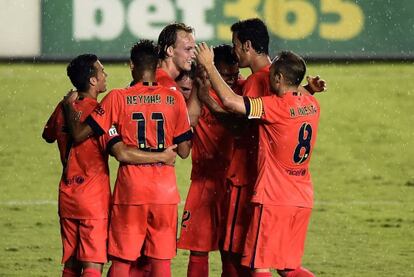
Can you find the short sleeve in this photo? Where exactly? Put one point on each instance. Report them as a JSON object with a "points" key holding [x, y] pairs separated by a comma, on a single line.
{"points": [[109, 139], [105, 114], [267, 108], [50, 130]]}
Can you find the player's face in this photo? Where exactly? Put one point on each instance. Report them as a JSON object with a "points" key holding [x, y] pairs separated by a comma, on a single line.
{"points": [[185, 85], [100, 77], [184, 51], [229, 73], [239, 51]]}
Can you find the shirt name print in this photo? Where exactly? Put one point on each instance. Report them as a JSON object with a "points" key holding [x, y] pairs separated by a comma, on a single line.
{"points": [[148, 99], [303, 111]]}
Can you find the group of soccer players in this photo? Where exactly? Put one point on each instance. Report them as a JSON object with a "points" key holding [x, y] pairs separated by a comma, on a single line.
{"points": [[251, 140]]}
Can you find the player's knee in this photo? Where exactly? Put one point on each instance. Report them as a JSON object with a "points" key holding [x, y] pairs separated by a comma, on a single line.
{"points": [[283, 273], [73, 263], [92, 265]]}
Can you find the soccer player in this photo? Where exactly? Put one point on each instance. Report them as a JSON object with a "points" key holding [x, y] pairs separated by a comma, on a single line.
{"points": [[201, 227], [84, 192], [283, 192], [144, 214], [251, 46], [185, 81], [176, 44]]}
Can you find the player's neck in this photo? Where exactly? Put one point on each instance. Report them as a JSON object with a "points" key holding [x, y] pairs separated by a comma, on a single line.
{"points": [[88, 94], [286, 89], [146, 76], [170, 68], [259, 61]]}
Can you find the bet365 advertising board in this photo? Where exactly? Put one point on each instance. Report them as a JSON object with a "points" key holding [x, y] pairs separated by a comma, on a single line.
{"points": [[313, 28]]}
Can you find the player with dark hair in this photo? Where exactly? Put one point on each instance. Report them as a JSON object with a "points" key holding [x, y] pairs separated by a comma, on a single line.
{"points": [[250, 45], [201, 227], [283, 193], [84, 192], [144, 214], [185, 81]]}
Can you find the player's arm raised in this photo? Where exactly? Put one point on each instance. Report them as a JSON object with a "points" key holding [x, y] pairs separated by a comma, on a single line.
{"points": [[314, 85], [203, 86], [231, 101], [193, 107]]}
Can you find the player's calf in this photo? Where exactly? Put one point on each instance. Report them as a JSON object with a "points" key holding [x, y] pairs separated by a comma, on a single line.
{"points": [[198, 264]]}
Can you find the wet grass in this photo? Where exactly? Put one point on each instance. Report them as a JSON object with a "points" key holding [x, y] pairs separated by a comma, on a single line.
{"points": [[363, 221]]}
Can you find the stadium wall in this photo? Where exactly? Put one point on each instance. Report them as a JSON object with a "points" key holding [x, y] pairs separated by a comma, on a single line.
{"points": [[20, 26], [317, 29]]}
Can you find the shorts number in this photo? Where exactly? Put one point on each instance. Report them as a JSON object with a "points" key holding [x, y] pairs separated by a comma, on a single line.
{"points": [[186, 217], [141, 135], [304, 138]]}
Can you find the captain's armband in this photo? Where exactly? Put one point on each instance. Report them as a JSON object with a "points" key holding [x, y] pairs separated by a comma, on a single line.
{"points": [[254, 107]]}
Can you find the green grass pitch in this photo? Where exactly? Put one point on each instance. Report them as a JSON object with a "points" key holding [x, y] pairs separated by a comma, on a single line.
{"points": [[363, 172]]}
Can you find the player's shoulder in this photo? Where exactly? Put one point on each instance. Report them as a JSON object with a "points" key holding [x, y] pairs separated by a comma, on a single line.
{"points": [[257, 78], [116, 92], [311, 99], [169, 91]]}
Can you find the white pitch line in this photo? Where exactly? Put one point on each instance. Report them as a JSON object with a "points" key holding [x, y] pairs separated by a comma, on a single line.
{"points": [[28, 202], [317, 203]]}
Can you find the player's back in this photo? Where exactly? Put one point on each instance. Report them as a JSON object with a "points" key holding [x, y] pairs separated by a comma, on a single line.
{"points": [[152, 118], [287, 137]]}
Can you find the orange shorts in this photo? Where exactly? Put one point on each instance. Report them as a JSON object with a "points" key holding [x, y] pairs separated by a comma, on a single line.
{"points": [[84, 239], [151, 228], [276, 237], [202, 221], [238, 215]]}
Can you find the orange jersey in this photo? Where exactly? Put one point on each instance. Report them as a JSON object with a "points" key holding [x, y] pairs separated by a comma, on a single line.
{"points": [[84, 191], [286, 139], [165, 80], [150, 117], [212, 145], [242, 169]]}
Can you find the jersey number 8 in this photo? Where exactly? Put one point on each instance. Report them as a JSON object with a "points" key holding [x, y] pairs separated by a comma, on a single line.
{"points": [[304, 139]]}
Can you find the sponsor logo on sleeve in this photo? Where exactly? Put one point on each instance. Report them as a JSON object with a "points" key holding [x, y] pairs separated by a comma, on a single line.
{"points": [[99, 110], [112, 131]]}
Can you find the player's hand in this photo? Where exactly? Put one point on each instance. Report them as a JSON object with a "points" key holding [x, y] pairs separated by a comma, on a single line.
{"points": [[170, 154], [70, 97], [316, 84], [204, 54]]}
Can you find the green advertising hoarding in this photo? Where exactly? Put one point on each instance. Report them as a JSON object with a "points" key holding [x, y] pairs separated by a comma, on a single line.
{"points": [[313, 28]]}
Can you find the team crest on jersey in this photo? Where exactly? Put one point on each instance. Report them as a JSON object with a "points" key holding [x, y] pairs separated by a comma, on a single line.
{"points": [[99, 110], [112, 131], [79, 179]]}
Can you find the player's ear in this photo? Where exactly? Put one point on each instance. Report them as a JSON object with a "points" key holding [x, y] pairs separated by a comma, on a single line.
{"points": [[278, 77], [247, 45], [131, 65], [93, 81], [169, 50]]}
